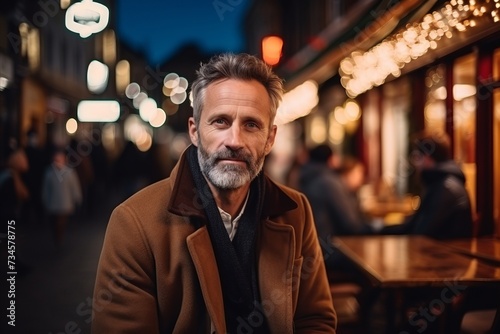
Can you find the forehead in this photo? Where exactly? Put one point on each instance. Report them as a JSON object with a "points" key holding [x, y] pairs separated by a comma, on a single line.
{"points": [[244, 93]]}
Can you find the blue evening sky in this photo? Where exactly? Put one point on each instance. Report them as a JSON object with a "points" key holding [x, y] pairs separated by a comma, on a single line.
{"points": [[160, 27]]}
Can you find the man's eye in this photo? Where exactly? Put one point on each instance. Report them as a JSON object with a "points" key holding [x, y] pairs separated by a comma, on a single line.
{"points": [[252, 125], [220, 121]]}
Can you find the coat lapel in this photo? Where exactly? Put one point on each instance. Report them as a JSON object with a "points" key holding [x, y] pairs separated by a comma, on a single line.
{"points": [[276, 259], [200, 248]]}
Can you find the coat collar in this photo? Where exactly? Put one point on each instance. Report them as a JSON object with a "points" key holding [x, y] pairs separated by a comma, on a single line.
{"points": [[185, 199]]}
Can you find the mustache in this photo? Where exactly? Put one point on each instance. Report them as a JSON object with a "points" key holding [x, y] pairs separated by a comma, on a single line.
{"points": [[232, 154]]}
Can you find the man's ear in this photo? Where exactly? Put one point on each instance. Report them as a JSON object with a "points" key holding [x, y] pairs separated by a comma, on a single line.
{"points": [[193, 131], [270, 139]]}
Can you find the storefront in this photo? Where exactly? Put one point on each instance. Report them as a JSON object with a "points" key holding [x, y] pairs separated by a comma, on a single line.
{"points": [[438, 71]]}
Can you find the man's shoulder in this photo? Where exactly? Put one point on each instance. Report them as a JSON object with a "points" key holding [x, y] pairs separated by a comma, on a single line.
{"points": [[455, 187], [147, 208]]}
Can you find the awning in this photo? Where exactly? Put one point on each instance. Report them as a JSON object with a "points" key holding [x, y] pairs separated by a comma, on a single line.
{"points": [[378, 21]]}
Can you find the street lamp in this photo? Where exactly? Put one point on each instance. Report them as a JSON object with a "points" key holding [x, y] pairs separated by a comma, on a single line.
{"points": [[271, 49]]}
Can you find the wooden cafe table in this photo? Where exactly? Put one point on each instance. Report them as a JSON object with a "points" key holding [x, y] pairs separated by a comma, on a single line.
{"points": [[408, 265], [483, 248]]}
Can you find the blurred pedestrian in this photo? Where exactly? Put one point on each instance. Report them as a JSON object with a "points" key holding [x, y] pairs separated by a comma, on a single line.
{"points": [[445, 208], [332, 197], [81, 162], [13, 190], [38, 160], [13, 196], [292, 176], [61, 194], [131, 170]]}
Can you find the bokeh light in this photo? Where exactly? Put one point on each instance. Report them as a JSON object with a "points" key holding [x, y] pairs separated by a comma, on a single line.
{"points": [[147, 109], [97, 77], [158, 119], [133, 89], [71, 126]]}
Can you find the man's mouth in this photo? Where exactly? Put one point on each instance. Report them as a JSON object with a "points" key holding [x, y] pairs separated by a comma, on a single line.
{"points": [[232, 161]]}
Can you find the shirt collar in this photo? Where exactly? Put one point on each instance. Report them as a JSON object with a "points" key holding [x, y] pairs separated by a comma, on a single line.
{"points": [[230, 224]]}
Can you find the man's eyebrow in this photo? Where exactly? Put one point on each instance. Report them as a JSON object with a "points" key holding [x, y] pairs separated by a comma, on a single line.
{"points": [[217, 114]]}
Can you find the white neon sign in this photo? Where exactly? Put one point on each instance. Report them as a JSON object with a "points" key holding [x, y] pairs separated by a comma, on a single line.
{"points": [[98, 111], [87, 18]]}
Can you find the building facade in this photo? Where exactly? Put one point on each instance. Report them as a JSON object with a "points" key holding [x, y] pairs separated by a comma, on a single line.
{"points": [[49, 72]]}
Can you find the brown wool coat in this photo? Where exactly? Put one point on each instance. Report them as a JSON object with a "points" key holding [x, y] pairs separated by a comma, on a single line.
{"points": [[157, 272]]}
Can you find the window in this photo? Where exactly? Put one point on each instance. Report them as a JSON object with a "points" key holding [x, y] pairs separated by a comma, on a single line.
{"points": [[395, 134], [464, 119], [435, 105], [496, 143]]}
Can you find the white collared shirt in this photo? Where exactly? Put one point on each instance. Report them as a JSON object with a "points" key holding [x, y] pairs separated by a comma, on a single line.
{"points": [[230, 224]]}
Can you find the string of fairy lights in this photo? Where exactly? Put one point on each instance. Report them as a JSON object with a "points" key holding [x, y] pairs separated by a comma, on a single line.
{"points": [[362, 71]]}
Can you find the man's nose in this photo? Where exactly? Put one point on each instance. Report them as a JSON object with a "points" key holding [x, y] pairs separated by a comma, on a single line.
{"points": [[234, 138]]}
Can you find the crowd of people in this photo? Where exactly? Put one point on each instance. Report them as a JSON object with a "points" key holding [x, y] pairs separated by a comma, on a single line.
{"points": [[331, 184], [54, 185], [332, 181], [54, 195]]}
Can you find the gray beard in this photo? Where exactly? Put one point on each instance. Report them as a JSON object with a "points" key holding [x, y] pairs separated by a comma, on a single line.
{"points": [[228, 176]]}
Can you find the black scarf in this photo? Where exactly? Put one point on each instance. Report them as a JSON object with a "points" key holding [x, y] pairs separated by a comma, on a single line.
{"points": [[235, 260]]}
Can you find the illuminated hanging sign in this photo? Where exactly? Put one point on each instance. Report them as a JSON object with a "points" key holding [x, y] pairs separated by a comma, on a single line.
{"points": [[87, 18], [98, 111]]}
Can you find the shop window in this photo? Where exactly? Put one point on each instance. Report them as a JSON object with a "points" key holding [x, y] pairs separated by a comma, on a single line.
{"points": [[30, 45], [34, 49], [496, 65], [496, 145], [464, 119], [496, 161], [371, 134], [109, 47], [435, 105], [394, 135]]}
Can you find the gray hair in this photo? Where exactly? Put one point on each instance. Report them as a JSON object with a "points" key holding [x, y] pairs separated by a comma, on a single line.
{"points": [[235, 66]]}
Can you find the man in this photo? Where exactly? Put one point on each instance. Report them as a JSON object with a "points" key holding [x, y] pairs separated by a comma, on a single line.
{"points": [[13, 190], [335, 207], [61, 194], [217, 247], [445, 209]]}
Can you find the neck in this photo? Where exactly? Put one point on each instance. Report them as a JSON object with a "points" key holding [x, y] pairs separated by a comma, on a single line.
{"points": [[230, 200]]}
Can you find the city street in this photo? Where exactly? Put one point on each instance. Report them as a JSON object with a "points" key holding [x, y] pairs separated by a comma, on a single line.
{"points": [[54, 287]]}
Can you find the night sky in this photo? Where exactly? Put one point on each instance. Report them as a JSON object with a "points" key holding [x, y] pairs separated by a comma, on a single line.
{"points": [[160, 27]]}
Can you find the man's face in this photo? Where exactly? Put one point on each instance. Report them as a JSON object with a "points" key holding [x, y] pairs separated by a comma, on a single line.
{"points": [[234, 134], [60, 160], [420, 160]]}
